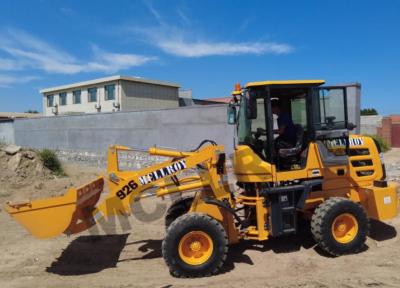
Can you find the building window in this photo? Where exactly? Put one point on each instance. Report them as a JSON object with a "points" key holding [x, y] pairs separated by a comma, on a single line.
{"points": [[50, 100], [63, 98], [76, 95], [92, 94], [109, 92]]}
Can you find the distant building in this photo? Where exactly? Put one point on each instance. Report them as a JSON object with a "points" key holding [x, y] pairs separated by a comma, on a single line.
{"points": [[109, 94], [209, 101], [10, 116], [387, 127], [186, 99], [220, 100]]}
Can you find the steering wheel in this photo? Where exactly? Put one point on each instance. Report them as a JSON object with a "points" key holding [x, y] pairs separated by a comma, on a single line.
{"points": [[330, 121], [259, 132]]}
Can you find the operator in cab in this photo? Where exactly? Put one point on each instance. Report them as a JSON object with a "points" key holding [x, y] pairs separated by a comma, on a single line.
{"points": [[286, 129]]}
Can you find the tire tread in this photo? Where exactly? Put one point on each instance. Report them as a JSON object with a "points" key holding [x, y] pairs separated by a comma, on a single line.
{"points": [[319, 219], [187, 220]]}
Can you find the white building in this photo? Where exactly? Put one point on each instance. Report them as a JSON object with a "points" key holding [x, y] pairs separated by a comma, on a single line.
{"points": [[115, 93]]}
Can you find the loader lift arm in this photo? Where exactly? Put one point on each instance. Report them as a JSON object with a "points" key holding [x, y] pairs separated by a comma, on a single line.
{"points": [[129, 186], [76, 211]]}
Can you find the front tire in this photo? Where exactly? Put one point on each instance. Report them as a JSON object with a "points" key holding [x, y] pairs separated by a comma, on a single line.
{"points": [[196, 245], [340, 226]]}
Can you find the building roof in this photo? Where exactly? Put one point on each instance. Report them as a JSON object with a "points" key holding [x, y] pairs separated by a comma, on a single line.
{"points": [[285, 82], [107, 79], [395, 118], [220, 99], [13, 115]]}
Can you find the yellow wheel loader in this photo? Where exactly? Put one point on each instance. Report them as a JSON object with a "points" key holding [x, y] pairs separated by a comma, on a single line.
{"points": [[327, 176]]}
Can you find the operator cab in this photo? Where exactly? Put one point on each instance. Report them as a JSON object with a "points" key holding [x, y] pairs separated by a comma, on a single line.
{"points": [[278, 119]]}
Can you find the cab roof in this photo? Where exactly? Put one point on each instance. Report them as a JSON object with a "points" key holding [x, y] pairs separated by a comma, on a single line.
{"points": [[285, 82]]}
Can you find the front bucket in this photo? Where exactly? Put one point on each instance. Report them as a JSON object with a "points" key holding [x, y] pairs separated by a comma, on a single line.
{"points": [[70, 213]]}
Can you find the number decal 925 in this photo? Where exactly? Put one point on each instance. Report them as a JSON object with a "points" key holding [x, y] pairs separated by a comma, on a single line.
{"points": [[127, 189]]}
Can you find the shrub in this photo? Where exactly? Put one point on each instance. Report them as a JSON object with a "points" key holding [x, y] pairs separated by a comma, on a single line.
{"points": [[50, 160], [32, 111], [382, 142], [368, 111]]}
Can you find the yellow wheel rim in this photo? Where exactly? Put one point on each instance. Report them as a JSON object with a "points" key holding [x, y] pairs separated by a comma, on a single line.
{"points": [[195, 247], [344, 228]]}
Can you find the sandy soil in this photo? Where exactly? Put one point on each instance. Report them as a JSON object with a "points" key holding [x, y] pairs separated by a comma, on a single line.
{"points": [[131, 255]]}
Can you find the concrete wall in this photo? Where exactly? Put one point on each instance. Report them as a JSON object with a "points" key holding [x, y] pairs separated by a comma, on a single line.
{"points": [[182, 128], [370, 124], [7, 132], [127, 160], [142, 96]]}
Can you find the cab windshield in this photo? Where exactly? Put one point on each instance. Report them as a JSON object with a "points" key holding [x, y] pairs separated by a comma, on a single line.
{"points": [[252, 132]]}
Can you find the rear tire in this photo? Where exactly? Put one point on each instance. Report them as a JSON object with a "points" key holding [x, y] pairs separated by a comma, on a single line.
{"points": [[178, 208], [196, 245], [340, 226]]}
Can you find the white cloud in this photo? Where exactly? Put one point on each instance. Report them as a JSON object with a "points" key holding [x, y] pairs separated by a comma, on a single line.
{"points": [[177, 42], [153, 11], [30, 52], [6, 80], [200, 49], [187, 43], [67, 11], [112, 62], [185, 20], [9, 64]]}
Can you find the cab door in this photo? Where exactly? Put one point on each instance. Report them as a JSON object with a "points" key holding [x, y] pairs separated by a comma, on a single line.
{"points": [[329, 126]]}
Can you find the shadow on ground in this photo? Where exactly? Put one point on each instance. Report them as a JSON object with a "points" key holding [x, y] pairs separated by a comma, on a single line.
{"points": [[152, 248], [236, 253], [380, 231], [285, 244], [89, 254]]}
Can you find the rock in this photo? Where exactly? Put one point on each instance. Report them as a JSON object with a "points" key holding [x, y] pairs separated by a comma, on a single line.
{"points": [[29, 154], [39, 186], [14, 162], [12, 149], [39, 168]]}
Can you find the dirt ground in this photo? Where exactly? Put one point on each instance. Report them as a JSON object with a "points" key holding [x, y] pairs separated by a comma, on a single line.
{"points": [[130, 256]]}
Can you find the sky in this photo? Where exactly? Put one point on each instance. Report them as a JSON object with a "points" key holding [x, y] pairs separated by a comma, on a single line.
{"points": [[206, 46]]}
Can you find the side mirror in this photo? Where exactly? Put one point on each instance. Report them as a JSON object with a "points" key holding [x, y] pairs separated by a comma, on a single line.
{"points": [[251, 107], [231, 115], [351, 126], [330, 124]]}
